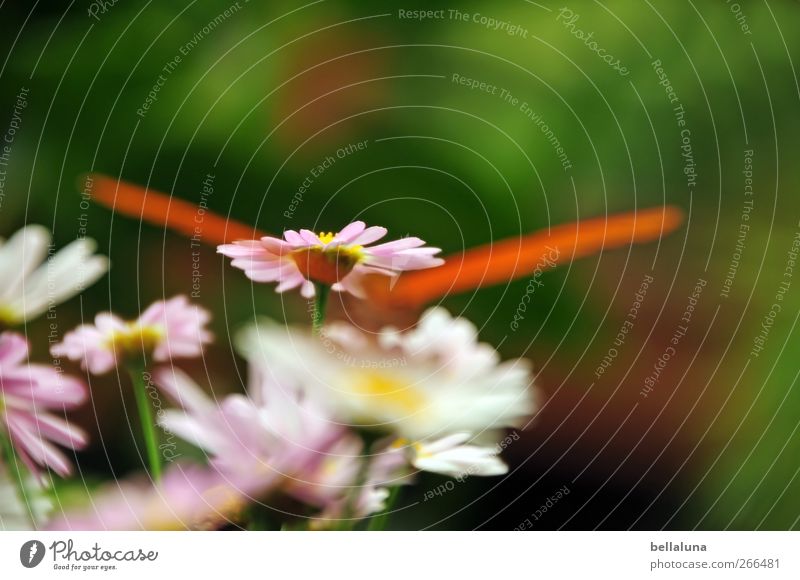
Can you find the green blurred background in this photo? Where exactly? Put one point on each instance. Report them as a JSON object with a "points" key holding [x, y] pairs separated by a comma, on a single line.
{"points": [[271, 89]]}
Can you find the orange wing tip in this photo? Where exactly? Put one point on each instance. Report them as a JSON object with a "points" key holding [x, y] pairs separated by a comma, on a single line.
{"points": [[165, 211], [650, 224], [509, 259], [674, 217]]}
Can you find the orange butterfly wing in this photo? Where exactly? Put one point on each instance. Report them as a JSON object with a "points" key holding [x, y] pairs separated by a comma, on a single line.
{"points": [[493, 263], [513, 258], [164, 210]]}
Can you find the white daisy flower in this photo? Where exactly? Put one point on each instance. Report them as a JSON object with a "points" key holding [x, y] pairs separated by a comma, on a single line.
{"points": [[14, 513], [451, 456], [432, 382], [34, 278]]}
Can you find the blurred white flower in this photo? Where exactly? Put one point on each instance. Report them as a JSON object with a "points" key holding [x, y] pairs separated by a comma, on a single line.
{"points": [[16, 514], [33, 278], [451, 456], [432, 382]]}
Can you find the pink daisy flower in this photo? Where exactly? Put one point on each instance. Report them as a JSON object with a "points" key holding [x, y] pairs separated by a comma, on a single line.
{"points": [[277, 439], [241, 434], [27, 393], [338, 260], [167, 329], [190, 497]]}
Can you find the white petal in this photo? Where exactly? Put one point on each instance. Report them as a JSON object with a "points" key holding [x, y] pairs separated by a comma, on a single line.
{"points": [[64, 275], [182, 389], [19, 257]]}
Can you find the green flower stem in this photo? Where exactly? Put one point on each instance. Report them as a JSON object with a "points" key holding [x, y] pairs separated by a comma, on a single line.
{"points": [[378, 521], [13, 467], [348, 520], [321, 292], [146, 420], [260, 520]]}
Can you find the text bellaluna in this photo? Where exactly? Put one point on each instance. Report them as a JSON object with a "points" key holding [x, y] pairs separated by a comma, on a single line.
{"points": [[679, 547]]}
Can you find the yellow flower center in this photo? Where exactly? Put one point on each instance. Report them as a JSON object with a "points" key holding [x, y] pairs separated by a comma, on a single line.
{"points": [[223, 505], [418, 448], [326, 238], [399, 443], [228, 507], [135, 338], [387, 394], [421, 452], [158, 517], [327, 265], [8, 316]]}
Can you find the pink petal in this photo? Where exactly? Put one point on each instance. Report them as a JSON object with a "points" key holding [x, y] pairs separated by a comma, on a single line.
{"points": [[370, 235], [406, 260], [52, 389], [276, 246], [179, 387], [105, 323], [241, 248], [294, 238], [290, 282], [39, 450], [307, 291], [56, 429], [396, 246], [311, 238], [349, 232], [13, 349], [352, 283]]}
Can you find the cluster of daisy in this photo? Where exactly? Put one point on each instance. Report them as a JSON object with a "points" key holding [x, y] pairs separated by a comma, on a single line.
{"points": [[333, 420], [35, 397]]}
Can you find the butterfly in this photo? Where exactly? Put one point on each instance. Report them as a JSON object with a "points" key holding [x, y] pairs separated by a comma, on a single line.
{"points": [[497, 262]]}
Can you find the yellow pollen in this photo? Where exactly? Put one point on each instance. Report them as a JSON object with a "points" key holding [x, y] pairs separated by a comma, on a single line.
{"points": [[420, 451], [399, 443], [347, 254], [388, 393], [8, 316], [330, 467], [228, 506], [160, 518], [418, 448], [326, 238], [135, 338]]}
